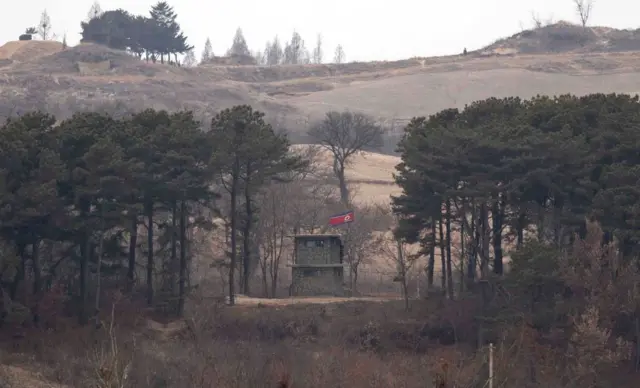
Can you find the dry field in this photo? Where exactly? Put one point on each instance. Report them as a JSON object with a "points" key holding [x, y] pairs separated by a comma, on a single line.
{"points": [[370, 175], [297, 94]]}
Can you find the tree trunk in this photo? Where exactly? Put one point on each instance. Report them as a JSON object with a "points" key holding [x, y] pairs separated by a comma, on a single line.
{"points": [[463, 253], [496, 217], [183, 258], [403, 270], [37, 281], [133, 242], [99, 275], [449, 264], [85, 253], [484, 231], [475, 242], [520, 229], [432, 256], [265, 277], [443, 259], [234, 230], [150, 247], [246, 241], [174, 247], [274, 283], [339, 170]]}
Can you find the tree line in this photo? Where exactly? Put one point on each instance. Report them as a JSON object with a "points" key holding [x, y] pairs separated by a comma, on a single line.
{"points": [[528, 180], [157, 37], [276, 52], [546, 165], [86, 200]]}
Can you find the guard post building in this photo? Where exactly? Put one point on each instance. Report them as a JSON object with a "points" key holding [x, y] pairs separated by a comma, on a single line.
{"points": [[318, 268]]}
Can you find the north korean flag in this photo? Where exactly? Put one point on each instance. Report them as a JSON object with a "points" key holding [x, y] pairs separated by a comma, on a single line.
{"points": [[343, 218]]}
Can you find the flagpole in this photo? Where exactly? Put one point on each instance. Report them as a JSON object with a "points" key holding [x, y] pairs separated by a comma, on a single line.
{"points": [[350, 269]]}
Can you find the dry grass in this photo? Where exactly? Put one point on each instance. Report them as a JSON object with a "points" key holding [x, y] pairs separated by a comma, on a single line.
{"points": [[426, 93], [386, 90], [242, 300], [370, 173], [21, 51]]}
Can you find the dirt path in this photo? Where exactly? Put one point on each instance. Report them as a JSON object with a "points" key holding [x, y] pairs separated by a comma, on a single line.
{"points": [[247, 301]]}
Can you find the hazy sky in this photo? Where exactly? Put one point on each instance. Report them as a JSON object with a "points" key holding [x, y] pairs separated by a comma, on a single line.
{"points": [[367, 29]]}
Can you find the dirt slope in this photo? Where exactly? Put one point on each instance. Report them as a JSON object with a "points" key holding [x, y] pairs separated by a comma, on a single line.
{"points": [[41, 74], [566, 37], [20, 51]]}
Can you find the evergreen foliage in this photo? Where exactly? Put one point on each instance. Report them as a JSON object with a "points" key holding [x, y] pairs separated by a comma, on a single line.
{"points": [[158, 36], [91, 182]]}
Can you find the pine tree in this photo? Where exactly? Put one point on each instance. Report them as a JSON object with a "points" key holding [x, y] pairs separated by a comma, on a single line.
{"points": [[172, 40], [30, 169], [239, 45], [207, 53]]}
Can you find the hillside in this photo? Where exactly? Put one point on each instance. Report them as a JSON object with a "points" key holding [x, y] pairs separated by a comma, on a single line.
{"points": [[370, 173], [550, 60], [566, 37], [576, 328]]}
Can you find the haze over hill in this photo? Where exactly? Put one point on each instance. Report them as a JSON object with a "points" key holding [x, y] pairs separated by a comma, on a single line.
{"points": [[567, 59], [555, 59]]}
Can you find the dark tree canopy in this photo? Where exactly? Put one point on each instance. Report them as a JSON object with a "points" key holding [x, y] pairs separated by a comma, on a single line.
{"points": [[544, 163], [157, 37], [89, 183]]}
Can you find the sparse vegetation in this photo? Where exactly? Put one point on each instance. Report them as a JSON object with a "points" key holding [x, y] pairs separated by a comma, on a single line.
{"points": [[127, 233]]}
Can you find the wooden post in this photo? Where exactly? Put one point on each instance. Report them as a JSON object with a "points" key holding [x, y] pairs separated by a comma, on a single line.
{"points": [[491, 365]]}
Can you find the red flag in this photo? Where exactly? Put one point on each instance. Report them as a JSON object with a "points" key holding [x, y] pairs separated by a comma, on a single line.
{"points": [[343, 218]]}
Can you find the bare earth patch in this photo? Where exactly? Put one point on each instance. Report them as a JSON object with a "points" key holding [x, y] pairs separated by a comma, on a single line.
{"points": [[248, 301], [21, 51]]}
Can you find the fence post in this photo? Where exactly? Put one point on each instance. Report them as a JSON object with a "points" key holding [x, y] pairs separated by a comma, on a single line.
{"points": [[491, 365]]}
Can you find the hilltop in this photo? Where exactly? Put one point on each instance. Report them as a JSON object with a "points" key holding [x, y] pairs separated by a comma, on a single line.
{"points": [[565, 37], [559, 58]]}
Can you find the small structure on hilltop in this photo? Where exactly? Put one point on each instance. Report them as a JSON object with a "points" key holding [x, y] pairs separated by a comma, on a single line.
{"points": [[318, 268]]}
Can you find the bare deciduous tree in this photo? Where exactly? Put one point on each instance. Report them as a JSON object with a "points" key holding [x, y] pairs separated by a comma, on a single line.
{"points": [[537, 21], [339, 56], [44, 27], [345, 135], [295, 52], [360, 244], [272, 231], [207, 53], [273, 52], [95, 11], [317, 51], [583, 9], [396, 251], [190, 59]]}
